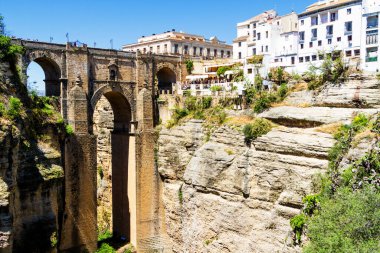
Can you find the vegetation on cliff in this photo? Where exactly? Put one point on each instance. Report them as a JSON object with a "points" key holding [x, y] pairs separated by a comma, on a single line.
{"points": [[345, 215]]}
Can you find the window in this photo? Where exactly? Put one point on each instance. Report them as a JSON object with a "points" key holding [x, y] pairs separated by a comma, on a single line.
{"points": [[302, 22], [266, 48], [239, 55], [267, 34], [357, 52], [314, 34], [311, 44], [307, 58], [194, 51], [201, 51], [249, 71], [300, 59], [222, 54], [324, 18], [176, 48], [254, 34], [293, 60], [301, 36], [329, 31], [209, 52], [165, 48], [112, 75], [239, 43], [314, 20], [348, 53], [348, 11], [339, 39], [329, 41], [248, 26], [333, 16], [254, 51], [254, 25], [301, 46], [215, 53], [144, 50], [158, 49], [373, 21], [372, 54], [186, 49], [313, 57], [320, 57], [262, 48], [349, 37], [150, 49], [319, 43], [258, 36], [348, 27], [228, 54]]}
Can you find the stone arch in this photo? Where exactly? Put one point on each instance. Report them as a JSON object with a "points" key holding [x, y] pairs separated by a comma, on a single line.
{"points": [[122, 169], [52, 70]]}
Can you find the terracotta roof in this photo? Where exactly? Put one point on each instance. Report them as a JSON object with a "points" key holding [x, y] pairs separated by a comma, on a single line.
{"points": [[241, 38]]}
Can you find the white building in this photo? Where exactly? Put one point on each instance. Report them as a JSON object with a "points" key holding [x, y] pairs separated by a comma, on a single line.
{"points": [[179, 43], [370, 35], [327, 27]]}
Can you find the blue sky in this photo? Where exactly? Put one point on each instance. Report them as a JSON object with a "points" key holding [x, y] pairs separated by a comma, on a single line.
{"points": [[99, 21]]}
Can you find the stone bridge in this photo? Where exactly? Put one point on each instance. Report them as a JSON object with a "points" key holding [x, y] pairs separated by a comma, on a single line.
{"points": [[80, 76]]}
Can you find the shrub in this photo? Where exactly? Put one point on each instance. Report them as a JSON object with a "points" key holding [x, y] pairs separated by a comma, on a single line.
{"points": [[221, 70], [69, 130], [189, 66], [15, 107], [257, 128], [282, 91], [311, 203], [348, 222], [191, 103], [104, 235], [106, 248], [262, 102], [297, 223], [256, 59], [2, 109], [206, 102], [215, 88]]}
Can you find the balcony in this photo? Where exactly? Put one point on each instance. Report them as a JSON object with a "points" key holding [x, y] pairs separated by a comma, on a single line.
{"points": [[371, 59], [372, 39]]}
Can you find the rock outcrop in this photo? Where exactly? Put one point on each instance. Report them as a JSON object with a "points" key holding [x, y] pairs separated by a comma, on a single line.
{"points": [[223, 195]]}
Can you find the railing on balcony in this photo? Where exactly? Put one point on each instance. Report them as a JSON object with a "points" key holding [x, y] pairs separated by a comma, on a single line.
{"points": [[372, 39], [371, 59]]}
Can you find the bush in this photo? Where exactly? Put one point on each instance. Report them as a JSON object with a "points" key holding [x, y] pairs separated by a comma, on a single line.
{"points": [[206, 102], [191, 103], [106, 248], [15, 107], [282, 91], [221, 70], [262, 102], [69, 130], [215, 88], [189, 66], [104, 235], [297, 223], [257, 128], [348, 222]]}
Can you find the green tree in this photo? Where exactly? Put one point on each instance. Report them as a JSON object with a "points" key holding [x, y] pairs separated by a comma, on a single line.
{"points": [[189, 66]]}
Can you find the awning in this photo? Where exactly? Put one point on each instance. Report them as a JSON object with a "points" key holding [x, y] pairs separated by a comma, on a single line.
{"points": [[194, 77]]}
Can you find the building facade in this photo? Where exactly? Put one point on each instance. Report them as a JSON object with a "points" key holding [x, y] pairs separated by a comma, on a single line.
{"points": [[370, 35], [179, 43], [330, 27]]}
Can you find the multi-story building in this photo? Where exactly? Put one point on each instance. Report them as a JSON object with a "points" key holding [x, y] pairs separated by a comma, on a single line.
{"points": [[254, 36], [330, 27], [179, 43], [370, 35]]}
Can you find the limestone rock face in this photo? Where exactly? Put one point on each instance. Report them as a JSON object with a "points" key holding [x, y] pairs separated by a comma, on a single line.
{"points": [[312, 116], [230, 197]]}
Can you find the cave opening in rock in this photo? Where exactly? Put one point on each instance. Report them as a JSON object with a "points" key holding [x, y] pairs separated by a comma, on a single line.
{"points": [[43, 77], [112, 117]]}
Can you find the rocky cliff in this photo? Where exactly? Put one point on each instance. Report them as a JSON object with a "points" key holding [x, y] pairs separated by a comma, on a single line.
{"points": [[31, 171], [223, 195]]}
